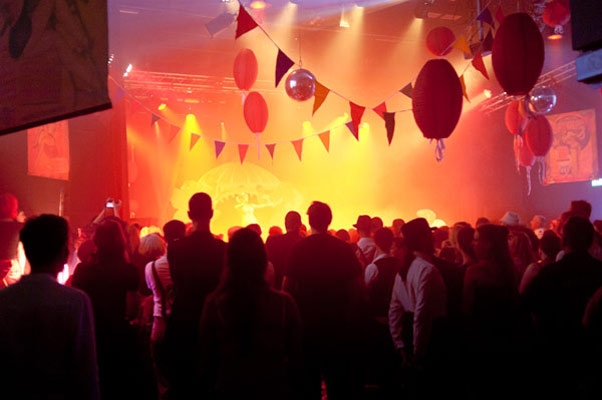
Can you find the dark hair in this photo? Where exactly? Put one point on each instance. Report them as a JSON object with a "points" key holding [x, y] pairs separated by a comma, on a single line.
{"points": [[247, 259], [343, 235], [465, 238], [499, 252], [578, 234], [199, 207], [174, 230], [482, 221], [376, 223], [45, 240], [550, 244], [581, 208], [109, 240], [319, 215], [292, 221], [384, 239]]}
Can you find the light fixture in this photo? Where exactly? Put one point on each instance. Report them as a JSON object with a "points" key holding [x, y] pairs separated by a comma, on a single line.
{"points": [[558, 32], [344, 23], [162, 107], [487, 93], [128, 70], [258, 5]]}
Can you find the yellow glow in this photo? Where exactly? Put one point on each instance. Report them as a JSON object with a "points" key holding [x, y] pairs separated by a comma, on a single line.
{"points": [[258, 5], [162, 107], [555, 37], [148, 230], [438, 223], [487, 93]]}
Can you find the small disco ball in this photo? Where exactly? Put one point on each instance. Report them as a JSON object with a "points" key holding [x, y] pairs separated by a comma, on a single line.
{"points": [[542, 99], [300, 85]]}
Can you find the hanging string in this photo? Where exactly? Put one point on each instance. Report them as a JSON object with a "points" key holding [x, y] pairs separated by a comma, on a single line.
{"points": [[439, 149], [528, 180]]}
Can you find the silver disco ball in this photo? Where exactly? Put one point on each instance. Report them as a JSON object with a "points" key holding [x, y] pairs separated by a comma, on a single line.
{"points": [[300, 85], [542, 99]]}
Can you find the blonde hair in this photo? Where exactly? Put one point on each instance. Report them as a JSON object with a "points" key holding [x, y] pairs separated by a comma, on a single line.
{"points": [[152, 246]]}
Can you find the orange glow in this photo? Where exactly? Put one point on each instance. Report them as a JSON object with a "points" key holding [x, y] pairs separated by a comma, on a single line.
{"points": [[162, 107], [258, 5], [487, 93], [555, 37]]}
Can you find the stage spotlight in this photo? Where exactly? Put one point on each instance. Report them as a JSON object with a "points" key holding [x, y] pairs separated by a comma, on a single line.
{"points": [[487, 93], [128, 70], [297, 2], [344, 23], [162, 107], [258, 5]]}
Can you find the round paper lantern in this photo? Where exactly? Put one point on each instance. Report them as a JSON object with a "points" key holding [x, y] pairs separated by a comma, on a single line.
{"points": [[256, 112], [437, 99], [538, 135], [557, 12], [300, 85], [514, 119], [439, 40], [245, 69], [526, 158], [542, 100], [518, 54]]}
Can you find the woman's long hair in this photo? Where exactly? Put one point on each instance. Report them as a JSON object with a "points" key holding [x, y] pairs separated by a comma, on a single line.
{"points": [[110, 241], [499, 253]]}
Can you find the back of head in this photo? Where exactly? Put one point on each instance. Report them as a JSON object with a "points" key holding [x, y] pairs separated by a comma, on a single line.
{"points": [[550, 244], [520, 247], [384, 239], [152, 246], [511, 219], [9, 206], [292, 221], [364, 225], [578, 234], [343, 235], [45, 240], [482, 221], [453, 233], [464, 239], [418, 237], [256, 228], [200, 207], [376, 223], [247, 258], [174, 230], [495, 238], [109, 240], [581, 208], [275, 231], [396, 225], [320, 216]]}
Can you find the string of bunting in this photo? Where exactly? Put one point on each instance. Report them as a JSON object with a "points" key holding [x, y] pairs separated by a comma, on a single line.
{"points": [[246, 23]]}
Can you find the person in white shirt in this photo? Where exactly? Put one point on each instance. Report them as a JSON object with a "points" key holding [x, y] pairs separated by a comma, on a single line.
{"points": [[419, 295], [366, 249]]}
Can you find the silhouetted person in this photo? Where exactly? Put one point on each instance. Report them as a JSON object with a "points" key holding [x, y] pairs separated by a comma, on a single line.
{"points": [[196, 263], [107, 278], [47, 348], [325, 279], [279, 247], [10, 268], [366, 249], [250, 334]]}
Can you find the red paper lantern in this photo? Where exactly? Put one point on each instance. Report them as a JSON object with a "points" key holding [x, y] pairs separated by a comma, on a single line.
{"points": [[256, 112], [439, 40], [538, 135], [437, 99], [514, 118], [525, 155], [245, 69], [557, 12], [518, 54]]}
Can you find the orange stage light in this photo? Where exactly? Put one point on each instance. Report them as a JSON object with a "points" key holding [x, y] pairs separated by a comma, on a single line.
{"points": [[162, 107], [258, 5], [555, 37]]}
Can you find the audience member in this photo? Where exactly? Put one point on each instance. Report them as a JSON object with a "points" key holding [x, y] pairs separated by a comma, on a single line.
{"points": [[538, 225], [343, 235], [549, 246], [481, 221], [376, 223], [521, 252], [396, 226], [11, 265], [279, 247], [366, 247]]}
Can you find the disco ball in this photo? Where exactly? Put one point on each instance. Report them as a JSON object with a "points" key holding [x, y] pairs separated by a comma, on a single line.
{"points": [[542, 99], [300, 85]]}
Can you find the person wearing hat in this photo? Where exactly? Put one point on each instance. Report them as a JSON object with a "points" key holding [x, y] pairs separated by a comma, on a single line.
{"points": [[511, 219], [366, 247], [419, 295]]}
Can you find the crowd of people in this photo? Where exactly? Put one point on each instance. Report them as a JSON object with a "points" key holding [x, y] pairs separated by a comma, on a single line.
{"points": [[491, 310]]}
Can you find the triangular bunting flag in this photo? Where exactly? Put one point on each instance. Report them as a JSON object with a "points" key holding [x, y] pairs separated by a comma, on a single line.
{"points": [[154, 118], [479, 65], [356, 117], [119, 93], [134, 105], [462, 45], [298, 145], [283, 64], [242, 150], [193, 140], [487, 44], [408, 90], [389, 118], [271, 147], [218, 23], [352, 129], [325, 138], [464, 87], [499, 14], [485, 16], [319, 96], [219, 147], [173, 131], [380, 109], [245, 22]]}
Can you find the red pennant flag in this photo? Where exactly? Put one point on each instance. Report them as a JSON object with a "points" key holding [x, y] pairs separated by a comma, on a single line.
{"points": [[389, 118], [319, 96], [283, 64], [380, 109], [408, 90], [356, 116], [499, 15], [479, 65], [219, 146], [193, 140], [245, 22], [298, 145], [173, 131], [352, 129], [154, 118], [242, 149], [271, 147], [325, 138]]}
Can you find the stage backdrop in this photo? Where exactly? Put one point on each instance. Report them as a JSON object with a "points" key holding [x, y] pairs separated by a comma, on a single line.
{"points": [[53, 61], [48, 151], [574, 153]]}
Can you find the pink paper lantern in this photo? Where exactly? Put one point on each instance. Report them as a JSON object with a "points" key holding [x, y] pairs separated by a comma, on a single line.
{"points": [[256, 112], [245, 69]]}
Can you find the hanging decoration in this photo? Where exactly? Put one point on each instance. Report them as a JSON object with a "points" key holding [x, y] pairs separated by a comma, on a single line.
{"points": [[556, 14], [300, 85], [462, 45], [524, 158], [463, 84], [408, 90], [271, 147], [320, 94], [515, 122], [193, 140], [499, 14], [283, 64], [256, 116], [437, 102], [298, 145], [325, 138], [357, 112], [381, 109], [245, 22], [154, 119], [389, 118], [245, 69], [518, 54], [173, 132], [538, 135], [485, 16], [242, 152], [542, 100], [219, 147], [479, 65], [353, 130], [439, 41]]}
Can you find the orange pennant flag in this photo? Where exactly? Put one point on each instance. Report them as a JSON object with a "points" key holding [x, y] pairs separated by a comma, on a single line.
{"points": [[319, 96], [462, 45], [479, 65], [193, 140], [464, 88], [325, 138], [298, 145], [242, 151]]}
